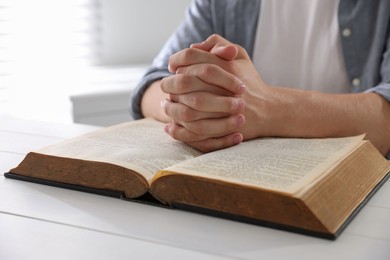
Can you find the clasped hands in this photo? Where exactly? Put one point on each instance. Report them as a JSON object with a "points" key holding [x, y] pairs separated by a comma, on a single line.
{"points": [[214, 95], [216, 99]]}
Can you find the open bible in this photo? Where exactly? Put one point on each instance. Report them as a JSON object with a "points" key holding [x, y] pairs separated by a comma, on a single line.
{"points": [[311, 186]]}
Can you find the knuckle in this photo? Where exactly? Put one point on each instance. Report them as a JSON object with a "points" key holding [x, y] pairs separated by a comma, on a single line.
{"points": [[174, 133], [187, 114], [196, 128], [204, 149], [209, 70], [214, 38], [232, 105], [232, 123], [164, 83], [189, 54], [242, 50], [181, 70], [211, 144], [184, 82], [188, 136], [172, 62], [203, 146], [195, 101], [226, 142], [183, 135], [167, 109], [232, 83], [167, 84]]}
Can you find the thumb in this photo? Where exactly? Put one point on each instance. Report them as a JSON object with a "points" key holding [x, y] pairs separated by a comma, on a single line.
{"points": [[219, 46], [225, 52]]}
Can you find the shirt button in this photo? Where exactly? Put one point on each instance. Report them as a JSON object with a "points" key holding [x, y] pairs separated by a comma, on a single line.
{"points": [[356, 82], [346, 32]]}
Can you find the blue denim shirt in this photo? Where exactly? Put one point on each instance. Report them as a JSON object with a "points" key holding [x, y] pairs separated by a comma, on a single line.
{"points": [[366, 45]]}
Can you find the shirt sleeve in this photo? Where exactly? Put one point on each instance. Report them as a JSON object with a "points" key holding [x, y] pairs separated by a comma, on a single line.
{"points": [[196, 27], [383, 88]]}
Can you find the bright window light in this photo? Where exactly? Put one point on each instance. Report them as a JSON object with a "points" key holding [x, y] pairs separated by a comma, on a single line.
{"points": [[45, 48]]}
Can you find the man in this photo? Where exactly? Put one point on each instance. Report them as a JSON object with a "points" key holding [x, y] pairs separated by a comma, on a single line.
{"points": [[214, 96]]}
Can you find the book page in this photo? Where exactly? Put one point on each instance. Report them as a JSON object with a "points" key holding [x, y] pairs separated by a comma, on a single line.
{"points": [[140, 145], [281, 164]]}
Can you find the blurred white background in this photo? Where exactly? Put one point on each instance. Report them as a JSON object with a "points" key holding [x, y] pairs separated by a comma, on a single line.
{"points": [[77, 60]]}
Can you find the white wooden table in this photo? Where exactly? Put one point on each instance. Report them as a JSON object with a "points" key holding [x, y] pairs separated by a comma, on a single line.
{"points": [[42, 222]]}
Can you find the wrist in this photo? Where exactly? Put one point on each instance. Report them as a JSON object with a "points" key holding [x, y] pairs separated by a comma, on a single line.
{"points": [[151, 103]]}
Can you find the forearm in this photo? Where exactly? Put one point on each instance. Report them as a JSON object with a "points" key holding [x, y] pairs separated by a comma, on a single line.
{"points": [[314, 114], [274, 111], [151, 103]]}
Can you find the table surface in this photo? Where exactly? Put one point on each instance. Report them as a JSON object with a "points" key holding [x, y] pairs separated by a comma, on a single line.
{"points": [[43, 222]]}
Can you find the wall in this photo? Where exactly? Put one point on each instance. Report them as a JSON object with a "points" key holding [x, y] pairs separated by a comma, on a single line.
{"points": [[51, 57], [133, 31]]}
